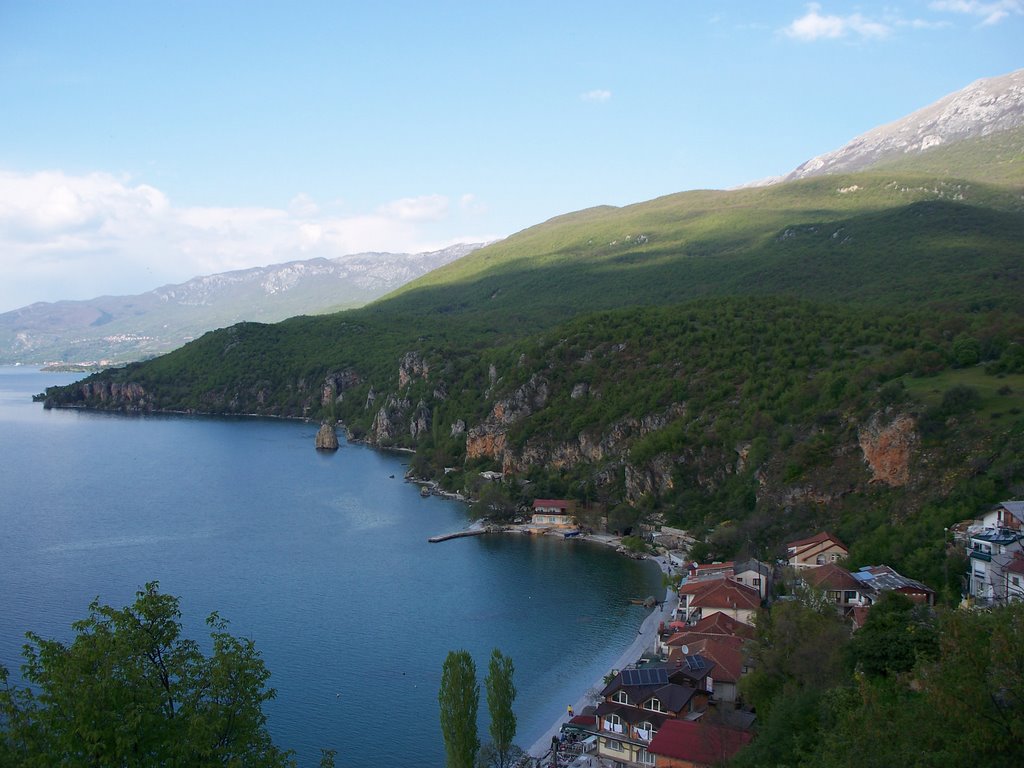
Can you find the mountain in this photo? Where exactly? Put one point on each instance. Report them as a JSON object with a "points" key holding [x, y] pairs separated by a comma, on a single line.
{"points": [[844, 351], [985, 107], [124, 328]]}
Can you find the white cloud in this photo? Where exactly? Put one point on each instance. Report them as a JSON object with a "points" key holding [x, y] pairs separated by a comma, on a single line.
{"points": [[814, 25], [989, 12], [423, 208], [598, 95], [76, 237]]}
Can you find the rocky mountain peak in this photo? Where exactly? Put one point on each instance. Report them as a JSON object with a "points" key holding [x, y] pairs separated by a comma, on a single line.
{"points": [[984, 107]]}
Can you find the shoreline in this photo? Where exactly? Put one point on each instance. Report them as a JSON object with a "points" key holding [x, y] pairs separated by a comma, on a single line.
{"points": [[644, 641]]}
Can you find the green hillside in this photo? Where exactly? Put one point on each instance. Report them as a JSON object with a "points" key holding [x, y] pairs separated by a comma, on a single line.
{"points": [[729, 361]]}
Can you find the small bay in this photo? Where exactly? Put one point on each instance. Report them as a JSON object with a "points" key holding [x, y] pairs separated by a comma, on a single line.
{"points": [[322, 559]]}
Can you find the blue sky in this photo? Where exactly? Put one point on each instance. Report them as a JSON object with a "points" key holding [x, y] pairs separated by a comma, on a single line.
{"points": [[143, 143]]}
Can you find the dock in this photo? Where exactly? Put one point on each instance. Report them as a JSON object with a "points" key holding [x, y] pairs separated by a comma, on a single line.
{"points": [[458, 535]]}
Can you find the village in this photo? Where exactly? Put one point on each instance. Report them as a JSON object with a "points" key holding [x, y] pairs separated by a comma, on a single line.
{"points": [[678, 703]]}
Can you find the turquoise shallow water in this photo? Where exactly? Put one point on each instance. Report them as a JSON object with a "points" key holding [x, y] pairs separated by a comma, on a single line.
{"points": [[321, 558]]}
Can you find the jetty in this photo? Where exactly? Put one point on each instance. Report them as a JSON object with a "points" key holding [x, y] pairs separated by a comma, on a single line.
{"points": [[459, 535]]}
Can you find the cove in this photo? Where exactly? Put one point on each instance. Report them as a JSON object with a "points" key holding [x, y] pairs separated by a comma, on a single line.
{"points": [[322, 559]]}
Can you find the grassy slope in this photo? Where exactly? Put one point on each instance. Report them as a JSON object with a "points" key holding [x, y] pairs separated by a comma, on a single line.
{"points": [[884, 239]]}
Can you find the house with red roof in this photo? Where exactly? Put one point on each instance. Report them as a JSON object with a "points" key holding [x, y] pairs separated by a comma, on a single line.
{"points": [[688, 744], [815, 550], [701, 599], [726, 651], [839, 585], [553, 513]]}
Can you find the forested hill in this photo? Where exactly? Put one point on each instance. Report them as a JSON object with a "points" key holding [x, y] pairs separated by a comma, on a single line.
{"points": [[843, 351]]}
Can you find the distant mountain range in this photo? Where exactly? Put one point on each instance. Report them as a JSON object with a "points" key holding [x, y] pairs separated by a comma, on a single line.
{"points": [[115, 329]]}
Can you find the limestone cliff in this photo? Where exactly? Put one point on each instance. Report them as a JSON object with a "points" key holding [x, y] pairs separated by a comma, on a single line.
{"points": [[888, 442]]}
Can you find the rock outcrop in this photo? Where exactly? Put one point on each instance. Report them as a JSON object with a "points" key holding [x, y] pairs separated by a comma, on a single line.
{"points": [[412, 366], [888, 442], [327, 438]]}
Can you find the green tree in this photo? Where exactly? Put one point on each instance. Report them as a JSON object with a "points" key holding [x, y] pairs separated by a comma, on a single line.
{"points": [[501, 693], [895, 635], [459, 698], [130, 690], [797, 648]]}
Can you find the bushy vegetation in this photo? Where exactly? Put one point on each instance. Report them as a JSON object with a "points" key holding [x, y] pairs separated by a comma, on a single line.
{"points": [[911, 687]]}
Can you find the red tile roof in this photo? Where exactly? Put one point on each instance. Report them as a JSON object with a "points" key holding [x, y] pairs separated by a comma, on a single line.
{"points": [[818, 538], [726, 652], [545, 503], [723, 624], [697, 742], [830, 576], [722, 594]]}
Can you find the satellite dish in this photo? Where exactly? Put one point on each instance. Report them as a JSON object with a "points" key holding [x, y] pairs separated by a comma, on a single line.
{"points": [[686, 650]]}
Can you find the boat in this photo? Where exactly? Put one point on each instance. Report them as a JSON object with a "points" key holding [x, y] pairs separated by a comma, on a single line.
{"points": [[424, 491]]}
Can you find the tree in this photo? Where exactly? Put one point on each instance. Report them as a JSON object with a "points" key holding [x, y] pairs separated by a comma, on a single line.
{"points": [[796, 649], [459, 698], [501, 693], [895, 635], [130, 690]]}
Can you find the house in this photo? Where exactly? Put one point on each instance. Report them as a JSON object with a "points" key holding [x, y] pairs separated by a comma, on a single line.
{"points": [[1013, 572], [877, 579], [816, 550], [553, 513], [686, 744], [635, 705], [1005, 514], [754, 573], [716, 570], [724, 651], [991, 552], [839, 585], [700, 599]]}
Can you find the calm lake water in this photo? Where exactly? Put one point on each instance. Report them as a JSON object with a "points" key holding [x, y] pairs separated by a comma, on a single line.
{"points": [[322, 559]]}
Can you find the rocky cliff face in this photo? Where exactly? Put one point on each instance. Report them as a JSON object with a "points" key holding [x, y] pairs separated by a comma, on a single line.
{"points": [[335, 385], [107, 395], [888, 442]]}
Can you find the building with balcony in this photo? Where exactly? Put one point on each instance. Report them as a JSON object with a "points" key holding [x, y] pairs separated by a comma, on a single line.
{"points": [[639, 701], [994, 555]]}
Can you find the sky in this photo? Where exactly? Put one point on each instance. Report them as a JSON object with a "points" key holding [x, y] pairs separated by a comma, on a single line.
{"points": [[146, 142]]}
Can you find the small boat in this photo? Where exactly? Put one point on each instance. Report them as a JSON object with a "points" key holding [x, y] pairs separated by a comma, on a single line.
{"points": [[424, 491]]}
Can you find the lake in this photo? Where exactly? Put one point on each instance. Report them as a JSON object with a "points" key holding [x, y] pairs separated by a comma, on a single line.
{"points": [[321, 558]]}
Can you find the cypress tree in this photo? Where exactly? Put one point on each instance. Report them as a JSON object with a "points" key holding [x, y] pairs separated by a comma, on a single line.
{"points": [[459, 698]]}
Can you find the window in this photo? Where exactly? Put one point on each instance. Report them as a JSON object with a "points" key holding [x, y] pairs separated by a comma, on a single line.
{"points": [[757, 582], [835, 558], [819, 560], [646, 757], [833, 595], [620, 697], [613, 745], [654, 705], [849, 596]]}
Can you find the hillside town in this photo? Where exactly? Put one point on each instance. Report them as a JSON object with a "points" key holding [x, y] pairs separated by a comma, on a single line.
{"points": [[680, 704]]}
